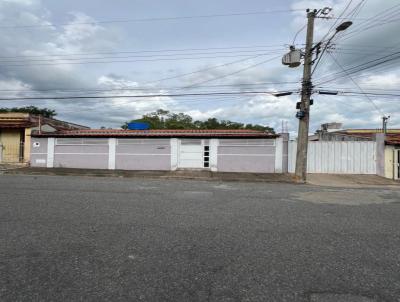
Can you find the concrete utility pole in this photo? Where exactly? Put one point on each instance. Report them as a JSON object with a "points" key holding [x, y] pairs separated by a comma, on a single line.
{"points": [[304, 117]]}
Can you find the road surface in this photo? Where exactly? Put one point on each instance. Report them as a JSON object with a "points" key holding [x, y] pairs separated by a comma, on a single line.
{"points": [[115, 239]]}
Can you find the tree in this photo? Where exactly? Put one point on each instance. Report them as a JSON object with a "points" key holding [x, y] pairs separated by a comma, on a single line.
{"points": [[163, 119], [31, 109]]}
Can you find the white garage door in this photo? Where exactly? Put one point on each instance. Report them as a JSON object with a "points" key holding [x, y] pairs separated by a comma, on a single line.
{"points": [[190, 154]]}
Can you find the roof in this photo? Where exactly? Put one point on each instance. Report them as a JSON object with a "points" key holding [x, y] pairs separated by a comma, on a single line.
{"points": [[242, 133], [392, 135], [392, 139], [26, 120]]}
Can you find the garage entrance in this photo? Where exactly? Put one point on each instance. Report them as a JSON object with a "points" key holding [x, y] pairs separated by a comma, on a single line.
{"points": [[397, 164], [191, 154]]}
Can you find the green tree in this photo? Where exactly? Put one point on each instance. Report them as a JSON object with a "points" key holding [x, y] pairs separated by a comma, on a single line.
{"points": [[31, 109], [163, 119]]}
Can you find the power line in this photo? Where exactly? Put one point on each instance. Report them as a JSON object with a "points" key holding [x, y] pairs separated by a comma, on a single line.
{"points": [[89, 89], [131, 61], [158, 56], [141, 51], [333, 25], [362, 67], [156, 19], [232, 73], [367, 24], [355, 83], [136, 96]]}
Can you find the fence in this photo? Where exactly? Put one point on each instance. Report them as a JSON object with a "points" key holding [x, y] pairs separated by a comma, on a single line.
{"points": [[342, 157]]}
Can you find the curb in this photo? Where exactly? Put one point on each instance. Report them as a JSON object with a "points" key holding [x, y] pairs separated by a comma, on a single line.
{"points": [[209, 177]]}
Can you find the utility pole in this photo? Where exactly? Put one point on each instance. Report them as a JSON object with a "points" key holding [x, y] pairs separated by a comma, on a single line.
{"points": [[384, 123], [304, 116]]}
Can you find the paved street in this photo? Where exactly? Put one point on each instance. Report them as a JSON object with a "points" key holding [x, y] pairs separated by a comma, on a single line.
{"points": [[116, 239]]}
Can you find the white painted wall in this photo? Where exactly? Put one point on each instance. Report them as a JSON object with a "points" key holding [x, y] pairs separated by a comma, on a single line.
{"points": [[337, 157]]}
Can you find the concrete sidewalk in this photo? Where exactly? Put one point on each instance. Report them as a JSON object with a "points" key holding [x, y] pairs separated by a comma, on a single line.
{"points": [[350, 181], [179, 174], [325, 180]]}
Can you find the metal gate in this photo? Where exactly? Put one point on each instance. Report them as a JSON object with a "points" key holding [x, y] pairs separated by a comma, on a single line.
{"points": [[340, 157], [12, 153], [190, 154]]}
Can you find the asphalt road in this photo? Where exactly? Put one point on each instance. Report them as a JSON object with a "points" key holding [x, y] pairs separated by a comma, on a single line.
{"points": [[110, 239]]}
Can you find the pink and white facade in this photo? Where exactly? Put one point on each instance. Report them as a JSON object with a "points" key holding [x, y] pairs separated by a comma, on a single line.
{"points": [[215, 150]]}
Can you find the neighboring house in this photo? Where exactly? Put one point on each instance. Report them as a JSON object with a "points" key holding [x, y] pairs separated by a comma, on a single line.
{"points": [[332, 132], [15, 134], [215, 150]]}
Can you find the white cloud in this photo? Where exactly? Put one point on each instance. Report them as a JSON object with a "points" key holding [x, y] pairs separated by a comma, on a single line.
{"points": [[82, 35]]}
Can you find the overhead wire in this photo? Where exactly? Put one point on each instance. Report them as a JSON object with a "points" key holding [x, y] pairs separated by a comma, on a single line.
{"points": [[151, 19], [130, 61], [231, 73], [137, 95], [356, 84], [361, 67], [63, 60]]}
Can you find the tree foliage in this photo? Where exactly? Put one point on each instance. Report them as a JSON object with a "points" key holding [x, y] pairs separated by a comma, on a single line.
{"points": [[163, 119], [31, 109]]}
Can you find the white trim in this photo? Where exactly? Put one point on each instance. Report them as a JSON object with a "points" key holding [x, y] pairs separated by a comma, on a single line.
{"points": [[174, 153], [61, 145], [50, 152], [32, 153], [112, 146], [237, 145], [78, 153], [143, 154], [259, 155], [213, 151], [81, 143], [279, 155]]}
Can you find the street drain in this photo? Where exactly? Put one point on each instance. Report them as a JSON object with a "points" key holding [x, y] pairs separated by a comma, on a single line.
{"points": [[339, 298]]}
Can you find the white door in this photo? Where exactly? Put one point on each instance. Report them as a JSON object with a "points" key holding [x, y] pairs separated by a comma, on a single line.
{"points": [[190, 154]]}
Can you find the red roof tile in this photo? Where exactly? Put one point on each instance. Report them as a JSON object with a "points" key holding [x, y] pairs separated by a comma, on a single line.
{"points": [[158, 133]]}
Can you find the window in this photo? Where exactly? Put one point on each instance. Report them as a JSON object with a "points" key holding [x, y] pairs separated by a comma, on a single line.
{"points": [[206, 157], [246, 142], [81, 141], [190, 142], [137, 141]]}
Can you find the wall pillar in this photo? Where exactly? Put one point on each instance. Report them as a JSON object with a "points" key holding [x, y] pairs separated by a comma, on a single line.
{"points": [[285, 152], [380, 154], [27, 145], [112, 146], [50, 152], [214, 143], [174, 154], [279, 155]]}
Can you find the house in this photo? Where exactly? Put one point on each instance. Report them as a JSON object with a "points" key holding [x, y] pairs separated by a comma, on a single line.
{"points": [[333, 132], [215, 150], [15, 134]]}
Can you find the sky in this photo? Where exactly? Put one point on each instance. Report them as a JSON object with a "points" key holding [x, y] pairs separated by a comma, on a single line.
{"points": [[144, 48]]}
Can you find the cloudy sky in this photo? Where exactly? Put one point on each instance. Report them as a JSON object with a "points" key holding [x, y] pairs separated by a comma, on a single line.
{"points": [[137, 47]]}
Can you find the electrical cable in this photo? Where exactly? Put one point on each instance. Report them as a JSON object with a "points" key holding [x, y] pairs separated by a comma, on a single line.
{"points": [[154, 19]]}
